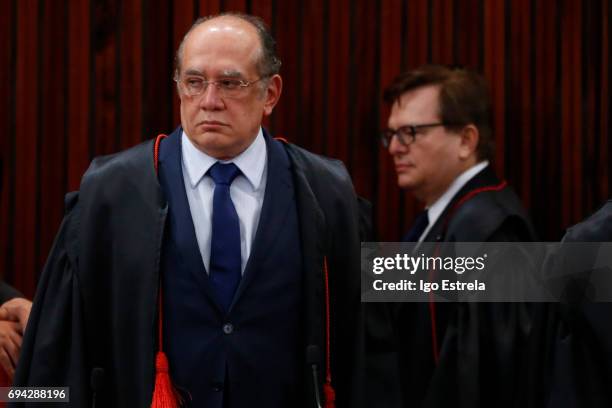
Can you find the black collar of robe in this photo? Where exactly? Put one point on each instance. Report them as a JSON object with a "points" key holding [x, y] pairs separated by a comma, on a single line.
{"points": [[481, 217]]}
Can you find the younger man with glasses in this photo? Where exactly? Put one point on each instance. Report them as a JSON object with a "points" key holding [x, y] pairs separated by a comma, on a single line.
{"points": [[439, 137]]}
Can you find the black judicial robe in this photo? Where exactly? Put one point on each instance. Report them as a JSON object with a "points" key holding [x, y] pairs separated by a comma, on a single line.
{"points": [[581, 373], [481, 353], [93, 322]]}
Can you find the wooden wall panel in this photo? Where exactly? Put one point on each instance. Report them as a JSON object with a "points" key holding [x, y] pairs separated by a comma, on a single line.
{"points": [[287, 112], [7, 117], [570, 113], [106, 67], [313, 76], [468, 33], [338, 84], [130, 74], [605, 108], [387, 215], [79, 92], [158, 57], [546, 128], [208, 7], [519, 97], [591, 77], [495, 72], [416, 45], [442, 26], [96, 77], [364, 87], [235, 5], [51, 165], [416, 48], [183, 17], [263, 9], [27, 138]]}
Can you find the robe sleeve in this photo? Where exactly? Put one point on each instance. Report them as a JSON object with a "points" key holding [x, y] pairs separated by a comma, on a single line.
{"points": [[53, 353], [581, 373], [7, 292]]}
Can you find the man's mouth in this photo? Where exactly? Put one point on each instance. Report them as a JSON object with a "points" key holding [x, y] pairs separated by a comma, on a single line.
{"points": [[403, 167], [211, 123]]}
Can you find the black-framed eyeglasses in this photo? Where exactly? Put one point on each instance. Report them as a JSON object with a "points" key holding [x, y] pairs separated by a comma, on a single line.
{"points": [[405, 134]]}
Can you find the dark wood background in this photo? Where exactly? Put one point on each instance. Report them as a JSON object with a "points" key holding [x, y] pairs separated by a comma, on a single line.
{"points": [[83, 78]]}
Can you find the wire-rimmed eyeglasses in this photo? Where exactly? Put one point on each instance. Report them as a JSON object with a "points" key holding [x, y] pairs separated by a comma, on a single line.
{"points": [[227, 87]]}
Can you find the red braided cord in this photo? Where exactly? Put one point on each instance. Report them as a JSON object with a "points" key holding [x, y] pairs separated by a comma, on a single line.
{"points": [[281, 139], [159, 298], [472, 193]]}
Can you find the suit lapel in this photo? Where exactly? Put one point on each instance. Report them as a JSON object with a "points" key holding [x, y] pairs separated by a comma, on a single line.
{"points": [[278, 199], [181, 223], [313, 236]]}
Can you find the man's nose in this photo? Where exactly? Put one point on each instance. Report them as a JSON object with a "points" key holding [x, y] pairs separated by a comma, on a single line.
{"points": [[210, 99], [395, 147]]}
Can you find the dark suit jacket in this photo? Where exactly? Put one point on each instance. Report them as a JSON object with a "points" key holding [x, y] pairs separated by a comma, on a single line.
{"points": [[96, 302]]}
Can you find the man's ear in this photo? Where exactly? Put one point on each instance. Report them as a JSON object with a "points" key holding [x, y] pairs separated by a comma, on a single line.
{"points": [[273, 93], [469, 141], [175, 78]]}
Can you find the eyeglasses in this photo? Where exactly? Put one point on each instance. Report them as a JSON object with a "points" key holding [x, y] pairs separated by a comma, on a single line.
{"points": [[227, 87], [405, 134]]}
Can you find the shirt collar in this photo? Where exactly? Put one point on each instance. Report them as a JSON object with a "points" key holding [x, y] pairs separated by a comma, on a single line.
{"points": [[435, 210], [251, 162]]}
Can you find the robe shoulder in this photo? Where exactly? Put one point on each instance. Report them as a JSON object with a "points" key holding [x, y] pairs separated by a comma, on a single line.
{"points": [[112, 174], [491, 216], [596, 228]]}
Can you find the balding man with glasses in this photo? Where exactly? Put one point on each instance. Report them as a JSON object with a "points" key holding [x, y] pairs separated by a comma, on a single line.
{"points": [[216, 266]]}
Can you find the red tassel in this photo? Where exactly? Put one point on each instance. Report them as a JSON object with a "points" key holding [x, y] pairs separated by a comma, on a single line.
{"points": [[164, 394], [330, 395]]}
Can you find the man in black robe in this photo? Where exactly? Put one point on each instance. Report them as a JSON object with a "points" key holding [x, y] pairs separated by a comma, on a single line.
{"points": [[440, 138], [278, 328], [581, 333]]}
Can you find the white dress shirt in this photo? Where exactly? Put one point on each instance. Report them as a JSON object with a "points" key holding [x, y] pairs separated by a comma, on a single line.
{"points": [[435, 210], [247, 192]]}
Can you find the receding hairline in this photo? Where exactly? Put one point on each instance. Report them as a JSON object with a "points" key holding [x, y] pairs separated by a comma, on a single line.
{"points": [[229, 16]]}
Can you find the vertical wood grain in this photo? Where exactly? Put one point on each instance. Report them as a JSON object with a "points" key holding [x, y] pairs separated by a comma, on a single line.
{"points": [[96, 77], [26, 139]]}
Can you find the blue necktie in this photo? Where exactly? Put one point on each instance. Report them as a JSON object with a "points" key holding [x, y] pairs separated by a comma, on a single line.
{"points": [[420, 223], [225, 258]]}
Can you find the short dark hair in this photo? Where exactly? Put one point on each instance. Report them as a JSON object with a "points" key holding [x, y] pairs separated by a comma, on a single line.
{"points": [[269, 64], [464, 99]]}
